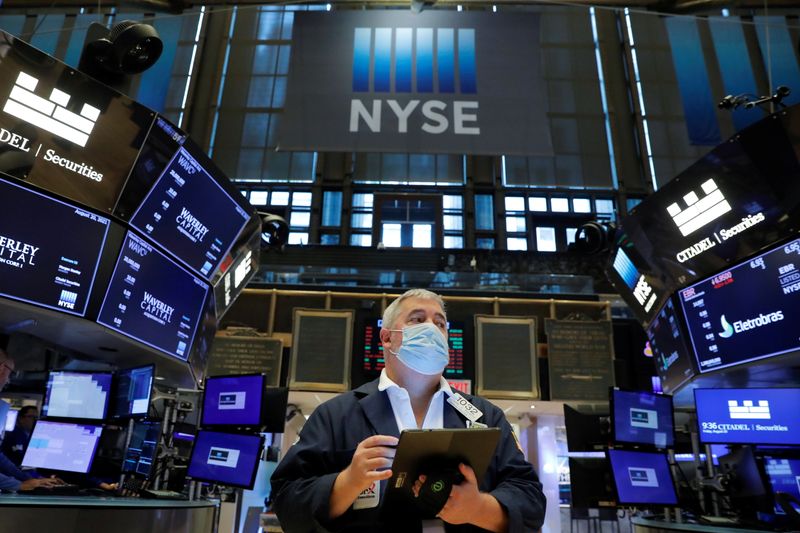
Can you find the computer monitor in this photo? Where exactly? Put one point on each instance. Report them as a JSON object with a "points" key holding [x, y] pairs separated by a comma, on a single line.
{"points": [[586, 432], [62, 446], [226, 458], [142, 447], [746, 485], [748, 416], [77, 395], [783, 474], [183, 436], [234, 401], [642, 478], [132, 388], [642, 418], [590, 483], [11, 419]]}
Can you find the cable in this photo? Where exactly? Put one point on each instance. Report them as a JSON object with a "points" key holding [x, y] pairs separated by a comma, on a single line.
{"points": [[41, 21]]}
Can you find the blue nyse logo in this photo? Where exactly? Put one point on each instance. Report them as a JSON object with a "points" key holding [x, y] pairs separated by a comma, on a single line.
{"points": [[418, 61]]}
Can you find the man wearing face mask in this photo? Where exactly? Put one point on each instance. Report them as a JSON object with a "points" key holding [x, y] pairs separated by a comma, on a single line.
{"points": [[332, 478]]}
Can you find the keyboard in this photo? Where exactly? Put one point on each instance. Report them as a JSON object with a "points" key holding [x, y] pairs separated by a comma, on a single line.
{"points": [[58, 490], [163, 494]]}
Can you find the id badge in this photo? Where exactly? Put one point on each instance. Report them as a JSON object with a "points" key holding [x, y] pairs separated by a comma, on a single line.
{"points": [[369, 498]]}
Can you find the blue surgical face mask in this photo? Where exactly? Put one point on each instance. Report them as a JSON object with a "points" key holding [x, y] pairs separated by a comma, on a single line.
{"points": [[424, 349]]}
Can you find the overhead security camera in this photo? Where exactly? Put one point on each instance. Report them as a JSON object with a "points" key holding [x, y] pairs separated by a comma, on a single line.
{"points": [[127, 49]]}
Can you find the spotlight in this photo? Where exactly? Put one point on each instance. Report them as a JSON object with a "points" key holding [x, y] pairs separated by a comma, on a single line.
{"points": [[593, 238], [274, 231], [127, 49]]}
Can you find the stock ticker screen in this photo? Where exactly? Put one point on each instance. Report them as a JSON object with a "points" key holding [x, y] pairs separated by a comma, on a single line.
{"points": [[670, 353], [152, 299], [748, 312], [372, 361]]}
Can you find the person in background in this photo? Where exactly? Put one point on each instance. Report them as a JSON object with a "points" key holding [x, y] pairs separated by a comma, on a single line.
{"points": [[12, 479], [16, 442], [332, 478]]}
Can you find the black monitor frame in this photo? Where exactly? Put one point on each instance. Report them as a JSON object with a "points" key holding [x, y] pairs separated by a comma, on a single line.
{"points": [[234, 428], [134, 473], [72, 419], [255, 470], [621, 503], [587, 425], [645, 446], [115, 386]]}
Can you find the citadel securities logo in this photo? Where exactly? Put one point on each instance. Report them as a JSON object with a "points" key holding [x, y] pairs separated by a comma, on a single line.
{"points": [[50, 114], [749, 411], [741, 326], [699, 212], [392, 73], [16, 253]]}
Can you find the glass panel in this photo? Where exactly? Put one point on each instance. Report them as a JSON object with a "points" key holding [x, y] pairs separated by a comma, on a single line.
{"points": [[301, 199], [515, 224], [582, 205], [298, 238], [259, 197], [633, 202], [453, 242], [452, 202], [515, 203], [391, 236], [358, 239], [453, 222], [538, 204], [484, 212], [362, 200], [280, 198], [329, 239], [546, 239], [422, 236], [300, 219], [605, 206], [332, 208], [517, 243], [485, 243], [559, 205], [571, 235], [362, 220]]}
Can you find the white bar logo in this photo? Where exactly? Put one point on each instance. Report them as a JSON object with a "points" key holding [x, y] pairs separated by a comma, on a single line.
{"points": [[226, 457], [231, 400], [748, 411], [699, 212], [643, 418], [50, 114], [642, 477]]}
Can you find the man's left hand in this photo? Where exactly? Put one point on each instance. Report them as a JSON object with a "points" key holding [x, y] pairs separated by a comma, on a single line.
{"points": [[465, 500]]}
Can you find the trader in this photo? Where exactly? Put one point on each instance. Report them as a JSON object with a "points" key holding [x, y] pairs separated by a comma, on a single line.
{"points": [[16, 442], [331, 479]]}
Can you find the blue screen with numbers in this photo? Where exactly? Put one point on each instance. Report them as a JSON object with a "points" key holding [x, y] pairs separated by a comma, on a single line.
{"points": [[747, 312]]}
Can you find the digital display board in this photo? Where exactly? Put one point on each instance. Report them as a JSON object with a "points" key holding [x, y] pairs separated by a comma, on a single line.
{"points": [[190, 214], [233, 400], [636, 282], [152, 299], [642, 418], [748, 416], [642, 478], [670, 354], [142, 447], [783, 474], [49, 249], [77, 395], [746, 313], [132, 388], [225, 458], [61, 446], [373, 362], [63, 131]]}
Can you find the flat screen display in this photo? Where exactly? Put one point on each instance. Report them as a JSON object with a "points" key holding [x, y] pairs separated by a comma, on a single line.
{"points": [[142, 448], [61, 446], [190, 214], [642, 418], [63, 131], [132, 389], [152, 299], [225, 458], [670, 354], [49, 249], [77, 395], [642, 478], [748, 312], [748, 416], [234, 400], [783, 475]]}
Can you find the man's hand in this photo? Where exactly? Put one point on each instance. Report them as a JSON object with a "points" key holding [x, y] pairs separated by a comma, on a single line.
{"points": [[468, 505], [371, 463], [108, 486], [44, 482]]}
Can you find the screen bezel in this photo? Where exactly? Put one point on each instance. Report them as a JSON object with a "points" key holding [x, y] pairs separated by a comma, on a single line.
{"points": [[642, 504], [647, 446], [233, 427], [700, 435], [115, 387], [46, 398], [160, 424], [94, 451], [255, 470]]}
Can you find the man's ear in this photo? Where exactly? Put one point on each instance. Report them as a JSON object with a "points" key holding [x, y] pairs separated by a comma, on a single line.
{"points": [[385, 335]]}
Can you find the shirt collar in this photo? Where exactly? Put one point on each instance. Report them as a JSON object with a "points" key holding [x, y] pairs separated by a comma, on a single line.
{"points": [[386, 383]]}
